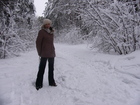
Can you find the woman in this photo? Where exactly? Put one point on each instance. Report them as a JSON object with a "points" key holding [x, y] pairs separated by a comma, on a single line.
{"points": [[46, 51]]}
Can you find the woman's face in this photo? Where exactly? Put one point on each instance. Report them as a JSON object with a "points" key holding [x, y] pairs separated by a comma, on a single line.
{"points": [[47, 25]]}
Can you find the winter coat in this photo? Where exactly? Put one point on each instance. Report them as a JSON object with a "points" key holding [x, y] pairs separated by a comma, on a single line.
{"points": [[45, 45]]}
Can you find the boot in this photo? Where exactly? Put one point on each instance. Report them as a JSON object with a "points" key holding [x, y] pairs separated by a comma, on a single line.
{"points": [[54, 84], [38, 87]]}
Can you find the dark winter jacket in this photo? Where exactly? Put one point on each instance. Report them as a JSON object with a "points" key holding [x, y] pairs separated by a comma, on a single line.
{"points": [[44, 44]]}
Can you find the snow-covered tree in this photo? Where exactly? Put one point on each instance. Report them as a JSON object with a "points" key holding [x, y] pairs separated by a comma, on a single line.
{"points": [[113, 27], [16, 23]]}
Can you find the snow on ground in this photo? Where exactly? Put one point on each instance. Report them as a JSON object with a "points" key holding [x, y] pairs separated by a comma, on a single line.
{"points": [[83, 77]]}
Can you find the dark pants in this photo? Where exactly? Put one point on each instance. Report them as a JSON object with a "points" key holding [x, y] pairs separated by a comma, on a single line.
{"points": [[39, 80]]}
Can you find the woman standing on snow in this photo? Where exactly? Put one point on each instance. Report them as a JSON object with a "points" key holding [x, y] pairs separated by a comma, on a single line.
{"points": [[46, 50]]}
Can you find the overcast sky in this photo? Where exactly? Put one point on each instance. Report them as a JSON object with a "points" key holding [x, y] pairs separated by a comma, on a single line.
{"points": [[40, 6]]}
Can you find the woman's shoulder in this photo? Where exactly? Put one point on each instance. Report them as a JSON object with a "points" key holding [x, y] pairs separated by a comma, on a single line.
{"points": [[41, 31]]}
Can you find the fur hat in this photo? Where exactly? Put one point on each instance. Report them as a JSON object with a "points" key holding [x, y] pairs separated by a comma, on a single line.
{"points": [[47, 21]]}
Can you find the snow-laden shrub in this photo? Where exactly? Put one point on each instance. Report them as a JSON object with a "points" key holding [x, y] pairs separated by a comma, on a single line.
{"points": [[71, 36]]}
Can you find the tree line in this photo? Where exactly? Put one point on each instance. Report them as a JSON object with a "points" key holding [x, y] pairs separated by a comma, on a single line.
{"points": [[107, 25]]}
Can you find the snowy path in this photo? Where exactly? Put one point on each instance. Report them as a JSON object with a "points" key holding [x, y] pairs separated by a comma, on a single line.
{"points": [[83, 78]]}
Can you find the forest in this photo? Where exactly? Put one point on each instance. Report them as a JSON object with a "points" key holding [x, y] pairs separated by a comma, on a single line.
{"points": [[108, 26]]}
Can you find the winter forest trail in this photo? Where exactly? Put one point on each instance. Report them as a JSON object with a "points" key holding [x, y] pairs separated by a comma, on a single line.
{"points": [[82, 79]]}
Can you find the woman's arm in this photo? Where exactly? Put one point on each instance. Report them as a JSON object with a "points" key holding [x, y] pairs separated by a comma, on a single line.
{"points": [[39, 42]]}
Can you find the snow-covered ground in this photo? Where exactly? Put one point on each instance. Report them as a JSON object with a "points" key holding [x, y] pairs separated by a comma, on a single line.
{"points": [[83, 77]]}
